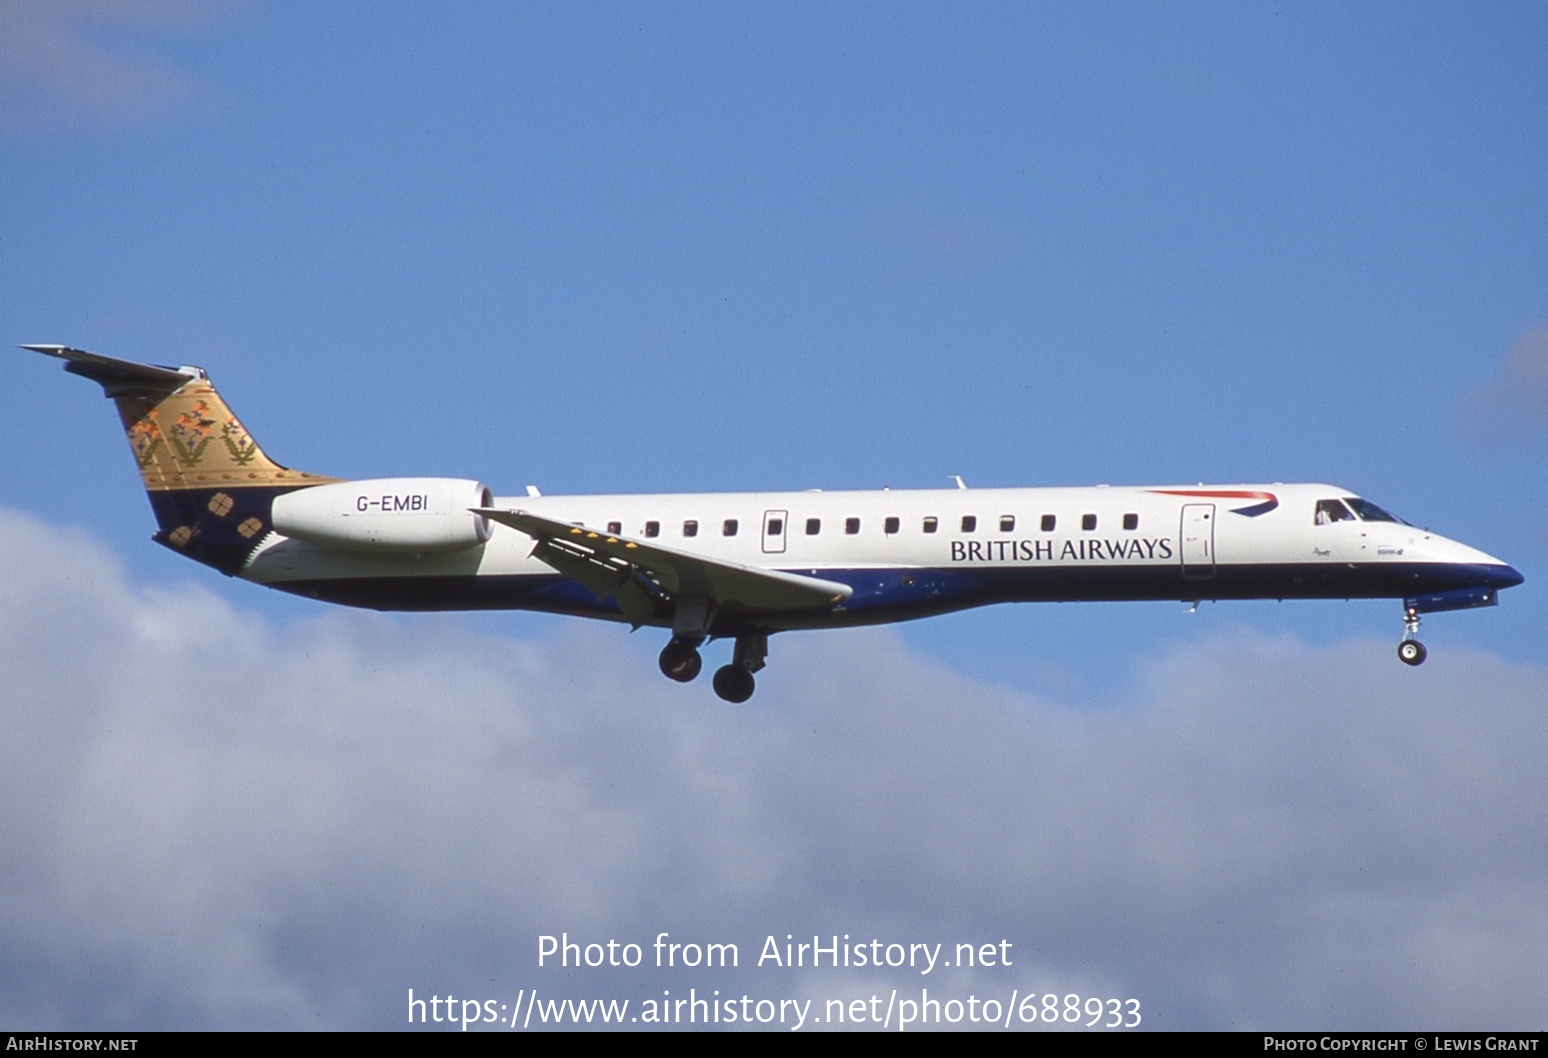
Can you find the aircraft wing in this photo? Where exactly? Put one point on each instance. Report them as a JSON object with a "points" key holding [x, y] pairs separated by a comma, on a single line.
{"points": [[640, 576]]}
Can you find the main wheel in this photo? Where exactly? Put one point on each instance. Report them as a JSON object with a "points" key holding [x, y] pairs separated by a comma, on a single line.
{"points": [[734, 683], [680, 662], [1412, 652]]}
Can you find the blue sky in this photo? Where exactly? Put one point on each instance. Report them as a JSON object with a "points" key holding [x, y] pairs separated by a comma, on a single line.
{"points": [[694, 247]]}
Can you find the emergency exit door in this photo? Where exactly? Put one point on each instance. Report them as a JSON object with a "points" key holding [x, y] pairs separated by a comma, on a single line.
{"points": [[774, 525]]}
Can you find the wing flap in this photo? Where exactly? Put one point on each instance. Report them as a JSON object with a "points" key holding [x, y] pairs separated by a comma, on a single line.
{"points": [[613, 565], [604, 576]]}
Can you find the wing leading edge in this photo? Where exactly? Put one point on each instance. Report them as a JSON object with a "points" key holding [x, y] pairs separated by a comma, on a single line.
{"points": [[641, 577]]}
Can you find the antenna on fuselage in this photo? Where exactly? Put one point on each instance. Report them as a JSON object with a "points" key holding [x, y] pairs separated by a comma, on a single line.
{"points": [[958, 479]]}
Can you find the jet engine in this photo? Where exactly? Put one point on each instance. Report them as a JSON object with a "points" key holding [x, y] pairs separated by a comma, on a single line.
{"points": [[387, 515]]}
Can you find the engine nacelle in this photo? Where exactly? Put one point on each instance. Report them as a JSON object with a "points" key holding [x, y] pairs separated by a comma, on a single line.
{"points": [[387, 514]]}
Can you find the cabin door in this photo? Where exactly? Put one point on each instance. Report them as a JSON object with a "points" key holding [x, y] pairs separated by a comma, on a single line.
{"points": [[1198, 540]]}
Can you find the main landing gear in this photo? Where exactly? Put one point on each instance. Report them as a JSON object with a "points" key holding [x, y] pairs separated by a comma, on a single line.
{"points": [[1410, 650], [680, 661], [734, 683]]}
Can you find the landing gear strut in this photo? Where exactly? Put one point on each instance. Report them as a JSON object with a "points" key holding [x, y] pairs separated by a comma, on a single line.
{"points": [[680, 660], [734, 682], [1410, 650]]}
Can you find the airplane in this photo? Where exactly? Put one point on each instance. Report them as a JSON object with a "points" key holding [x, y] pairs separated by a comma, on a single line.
{"points": [[743, 566]]}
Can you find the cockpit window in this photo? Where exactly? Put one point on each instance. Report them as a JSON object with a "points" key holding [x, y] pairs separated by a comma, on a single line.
{"points": [[1372, 513], [1330, 511]]}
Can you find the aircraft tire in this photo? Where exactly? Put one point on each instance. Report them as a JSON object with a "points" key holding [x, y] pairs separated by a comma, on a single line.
{"points": [[1412, 652], [734, 683], [680, 662]]}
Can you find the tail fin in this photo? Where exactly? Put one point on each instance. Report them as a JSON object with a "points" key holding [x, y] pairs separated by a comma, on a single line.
{"points": [[209, 483]]}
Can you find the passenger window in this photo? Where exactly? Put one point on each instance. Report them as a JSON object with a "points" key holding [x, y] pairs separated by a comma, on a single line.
{"points": [[1007, 523], [891, 525], [1088, 522], [775, 527], [1131, 521], [969, 523], [1049, 521], [813, 526], [616, 528], [652, 528], [1330, 511], [728, 527], [930, 523], [851, 526], [690, 528]]}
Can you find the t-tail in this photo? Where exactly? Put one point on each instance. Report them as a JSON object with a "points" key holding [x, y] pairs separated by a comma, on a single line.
{"points": [[210, 486]]}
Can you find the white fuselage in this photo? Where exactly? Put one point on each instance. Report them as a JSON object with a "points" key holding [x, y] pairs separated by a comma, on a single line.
{"points": [[909, 553]]}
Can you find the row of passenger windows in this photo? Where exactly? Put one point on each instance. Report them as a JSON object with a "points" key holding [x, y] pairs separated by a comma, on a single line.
{"points": [[930, 524]]}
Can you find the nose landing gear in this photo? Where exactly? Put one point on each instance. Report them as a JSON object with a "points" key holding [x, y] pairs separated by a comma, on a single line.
{"points": [[1410, 650]]}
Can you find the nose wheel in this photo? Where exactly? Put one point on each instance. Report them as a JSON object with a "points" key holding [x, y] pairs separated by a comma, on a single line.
{"points": [[1410, 650]]}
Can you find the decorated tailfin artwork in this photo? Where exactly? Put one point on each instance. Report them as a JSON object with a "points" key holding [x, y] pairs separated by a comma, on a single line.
{"points": [[210, 485]]}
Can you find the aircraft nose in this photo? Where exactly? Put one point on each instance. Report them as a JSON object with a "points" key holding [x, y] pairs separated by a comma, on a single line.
{"points": [[1503, 576]]}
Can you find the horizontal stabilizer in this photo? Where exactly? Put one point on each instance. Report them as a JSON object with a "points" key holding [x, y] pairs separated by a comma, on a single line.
{"points": [[116, 376], [599, 559]]}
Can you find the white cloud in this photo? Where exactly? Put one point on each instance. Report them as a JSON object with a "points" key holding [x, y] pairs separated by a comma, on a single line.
{"points": [[1513, 405], [67, 61], [211, 821]]}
